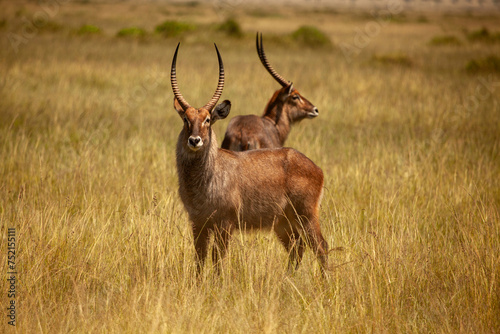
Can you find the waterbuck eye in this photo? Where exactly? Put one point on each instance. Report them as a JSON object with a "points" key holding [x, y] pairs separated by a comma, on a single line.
{"points": [[296, 97], [207, 120]]}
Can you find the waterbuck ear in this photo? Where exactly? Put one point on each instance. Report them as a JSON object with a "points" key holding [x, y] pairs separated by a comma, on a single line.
{"points": [[221, 110], [285, 92], [178, 107]]}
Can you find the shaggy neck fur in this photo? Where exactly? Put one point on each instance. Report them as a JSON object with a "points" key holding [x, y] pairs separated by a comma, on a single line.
{"points": [[195, 169], [275, 111]]}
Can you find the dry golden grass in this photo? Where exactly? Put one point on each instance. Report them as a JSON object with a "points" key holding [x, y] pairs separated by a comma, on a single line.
{"points": [[87, 177]]}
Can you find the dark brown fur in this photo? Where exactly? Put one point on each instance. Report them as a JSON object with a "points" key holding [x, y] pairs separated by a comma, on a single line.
{"points": [[222, 191]]}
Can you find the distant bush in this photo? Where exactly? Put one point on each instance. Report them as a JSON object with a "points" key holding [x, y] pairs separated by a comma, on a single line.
{"points": [[89, 29], [51, 26], [263, 13], [444, 40], [3, 23], [311, 36], [422, 19], [232, 28], [480, 34], [174, 28], [131, 32], [483, 35], [488, 64], [191, 4], [401, 18], [393, 59]]}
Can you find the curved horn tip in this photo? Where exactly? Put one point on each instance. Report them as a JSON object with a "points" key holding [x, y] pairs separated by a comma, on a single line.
{"points": [[173, 81], [221, 64], [174, 60], [257, 43], [218, 92], [176, 50]]}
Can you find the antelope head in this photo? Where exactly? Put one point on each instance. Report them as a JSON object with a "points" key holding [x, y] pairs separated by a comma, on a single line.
{"points": [[298, 106], [197, 130]]}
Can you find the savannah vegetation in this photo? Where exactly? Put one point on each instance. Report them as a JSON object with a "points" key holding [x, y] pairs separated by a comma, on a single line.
{"points": [[408, 137]]}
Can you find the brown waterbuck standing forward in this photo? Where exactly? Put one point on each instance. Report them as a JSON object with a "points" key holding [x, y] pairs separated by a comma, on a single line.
{"points": [[286, 107], [277, 189]]}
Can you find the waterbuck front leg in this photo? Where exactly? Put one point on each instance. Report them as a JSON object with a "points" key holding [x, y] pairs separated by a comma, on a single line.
{"points": [[201, 237], [222, 236]]}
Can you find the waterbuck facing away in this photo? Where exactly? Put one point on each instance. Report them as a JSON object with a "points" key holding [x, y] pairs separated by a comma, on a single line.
{"points": [[286, 107], [277, 189]]}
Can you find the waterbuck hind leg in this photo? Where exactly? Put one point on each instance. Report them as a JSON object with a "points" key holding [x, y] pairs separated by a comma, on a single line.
{"points": [[311, 235], [295, 251], [293, 243], [317, 243]]}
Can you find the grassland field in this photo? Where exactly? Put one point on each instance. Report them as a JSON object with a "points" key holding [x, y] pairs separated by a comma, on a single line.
{"points": [[408, 138]]}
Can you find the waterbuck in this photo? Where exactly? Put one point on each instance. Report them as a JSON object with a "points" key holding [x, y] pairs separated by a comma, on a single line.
{"points": [[286, 107], [276, 189]]}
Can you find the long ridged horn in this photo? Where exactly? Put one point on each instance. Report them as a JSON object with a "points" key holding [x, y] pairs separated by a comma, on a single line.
{"points": [[218, 92], [265, 62], [173, 81]]}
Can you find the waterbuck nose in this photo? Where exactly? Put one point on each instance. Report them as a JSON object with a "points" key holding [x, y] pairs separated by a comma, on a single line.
{"points": [[314, 113], [194, 141]]}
